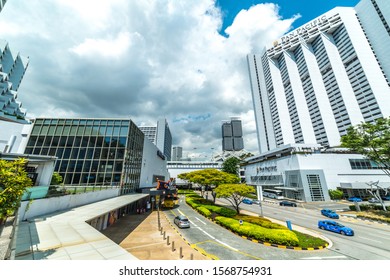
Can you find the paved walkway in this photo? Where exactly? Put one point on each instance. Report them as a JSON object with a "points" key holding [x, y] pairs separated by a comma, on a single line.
{"points": [[140, 236]]}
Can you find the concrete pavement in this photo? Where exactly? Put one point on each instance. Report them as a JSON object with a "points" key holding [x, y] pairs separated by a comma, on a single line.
{"points": [[139, 235]]}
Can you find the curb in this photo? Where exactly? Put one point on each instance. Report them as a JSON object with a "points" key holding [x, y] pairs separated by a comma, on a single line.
{"points": [[193, 246], [366, 219], [267, 243], [277, 245]]}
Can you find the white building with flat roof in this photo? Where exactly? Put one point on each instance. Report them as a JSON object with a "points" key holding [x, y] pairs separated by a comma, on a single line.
{"points": [[306, 173]]}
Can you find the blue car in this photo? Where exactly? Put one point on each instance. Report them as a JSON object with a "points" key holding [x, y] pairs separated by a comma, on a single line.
{"points": [[355, 199], [247, 201], [335, 227], [329, 213]]}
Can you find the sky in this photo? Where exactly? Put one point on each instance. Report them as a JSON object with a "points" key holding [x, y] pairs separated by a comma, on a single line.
{"points": [[182, 60]]}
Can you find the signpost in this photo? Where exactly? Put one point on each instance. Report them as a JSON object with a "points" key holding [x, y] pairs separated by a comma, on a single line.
{"points": [[260, 199]]}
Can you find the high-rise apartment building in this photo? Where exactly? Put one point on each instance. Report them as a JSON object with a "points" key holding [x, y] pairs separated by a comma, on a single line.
{"points": [[232, 135], [323, 77], [161, 136]]}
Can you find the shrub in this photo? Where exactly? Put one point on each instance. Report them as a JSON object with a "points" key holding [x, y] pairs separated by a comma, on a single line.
{"points": [[192, 202], [274, 236], [263, 222], [223, 211], [204, 211]]}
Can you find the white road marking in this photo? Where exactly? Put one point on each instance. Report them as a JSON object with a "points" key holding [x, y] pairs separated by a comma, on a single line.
{"points": [[223, 243], [181, 212], [219, 241], [200, 220]]}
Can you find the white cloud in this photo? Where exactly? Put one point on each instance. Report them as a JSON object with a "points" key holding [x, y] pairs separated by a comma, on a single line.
{"points": [[114, 47], [145, 59]]}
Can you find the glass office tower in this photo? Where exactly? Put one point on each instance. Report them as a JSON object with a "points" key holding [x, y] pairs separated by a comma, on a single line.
{"points": [[91, 151]]}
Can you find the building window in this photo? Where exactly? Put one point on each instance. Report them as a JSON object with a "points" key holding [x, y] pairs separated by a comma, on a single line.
{"points": [[315, 187], [363, 164]]}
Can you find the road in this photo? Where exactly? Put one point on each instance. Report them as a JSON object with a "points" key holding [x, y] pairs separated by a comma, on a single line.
{"points": [[372, 241]]}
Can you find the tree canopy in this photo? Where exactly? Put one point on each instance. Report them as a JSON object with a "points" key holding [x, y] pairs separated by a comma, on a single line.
{"points": [[234, 193], [209, 177], [371, 140], [231, 165], [13, 182]]}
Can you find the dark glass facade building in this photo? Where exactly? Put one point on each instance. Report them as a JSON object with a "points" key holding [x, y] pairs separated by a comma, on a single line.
{"points": [[232, 135], [91, 151]]}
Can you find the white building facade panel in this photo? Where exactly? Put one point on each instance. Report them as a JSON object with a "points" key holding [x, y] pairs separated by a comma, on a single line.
{"points": [[319, 79]]}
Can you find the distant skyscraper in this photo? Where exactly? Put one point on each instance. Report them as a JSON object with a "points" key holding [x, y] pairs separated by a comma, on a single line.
{"points": [[12, 69], [177, 153], [323, 77], [232, 135], [161, 136]]}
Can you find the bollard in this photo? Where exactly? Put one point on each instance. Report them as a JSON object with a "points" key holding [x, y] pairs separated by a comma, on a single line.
{"points": [[192, 256], [161, 230], [181, 252], [173, 246], [167, 240], [164, 236]]}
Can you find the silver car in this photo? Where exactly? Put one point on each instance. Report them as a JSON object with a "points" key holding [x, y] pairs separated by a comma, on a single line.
{"points": [[182, 221]]}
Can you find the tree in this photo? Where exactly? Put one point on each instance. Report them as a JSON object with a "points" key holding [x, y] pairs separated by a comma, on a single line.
{"points": [[231, 165], [335, 194], [209, 177], [13, 182], [56, 179], [234, 193], [371, 140]]}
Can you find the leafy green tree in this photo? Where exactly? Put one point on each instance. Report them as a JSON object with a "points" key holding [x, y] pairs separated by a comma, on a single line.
{"points": [[234, 193], [56, 179], [371, 140], [210, 177], [13, 182], [231, 165], [335, 194]]}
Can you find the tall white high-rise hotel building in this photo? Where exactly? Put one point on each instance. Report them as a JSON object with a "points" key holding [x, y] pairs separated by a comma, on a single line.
{"points": [[323, 77]]}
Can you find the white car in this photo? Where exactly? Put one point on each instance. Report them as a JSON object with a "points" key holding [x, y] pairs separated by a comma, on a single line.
{"points": [[182, 221]]}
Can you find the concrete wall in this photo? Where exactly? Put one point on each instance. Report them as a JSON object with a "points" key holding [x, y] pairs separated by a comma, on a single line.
{"points": [[11, 136], [152, 164], [39, 207]]}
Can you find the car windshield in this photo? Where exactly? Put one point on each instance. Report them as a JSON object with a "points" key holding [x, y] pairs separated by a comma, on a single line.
{"points": [[339, 225]]}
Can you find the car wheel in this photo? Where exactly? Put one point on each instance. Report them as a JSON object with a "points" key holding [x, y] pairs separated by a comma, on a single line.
{"points": [[342, 232], [322, 227]]}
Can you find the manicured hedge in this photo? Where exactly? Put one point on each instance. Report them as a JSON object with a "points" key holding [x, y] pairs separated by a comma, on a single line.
{"points": [[204, 211], [273, 236], [263, 222], [223, 211]]}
